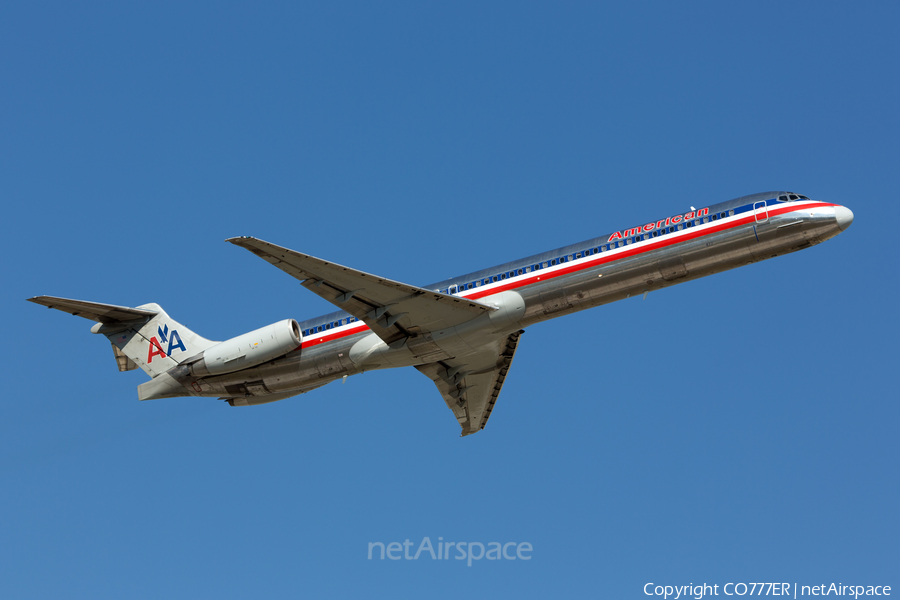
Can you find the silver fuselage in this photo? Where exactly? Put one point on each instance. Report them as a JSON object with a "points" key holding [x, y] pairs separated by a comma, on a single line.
{"points": [[612, 267]]}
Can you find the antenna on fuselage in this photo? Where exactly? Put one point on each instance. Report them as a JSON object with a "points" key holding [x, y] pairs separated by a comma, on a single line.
{"points": [[692, 208]]}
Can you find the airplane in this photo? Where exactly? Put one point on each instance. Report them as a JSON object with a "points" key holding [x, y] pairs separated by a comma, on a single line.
{"points": [[463, 332]]}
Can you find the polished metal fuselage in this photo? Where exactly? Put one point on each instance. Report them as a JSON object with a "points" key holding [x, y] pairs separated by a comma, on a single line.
{"points": [[543, 291]]}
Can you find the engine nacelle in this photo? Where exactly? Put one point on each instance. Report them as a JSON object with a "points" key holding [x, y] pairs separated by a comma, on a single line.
{"points": [[249, 349]]}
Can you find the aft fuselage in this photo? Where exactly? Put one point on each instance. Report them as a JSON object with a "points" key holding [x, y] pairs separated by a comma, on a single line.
{"points": [[625, 263]]}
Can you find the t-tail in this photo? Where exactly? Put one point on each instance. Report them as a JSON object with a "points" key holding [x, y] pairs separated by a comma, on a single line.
{"points": [[173, 355], [144, 337]]}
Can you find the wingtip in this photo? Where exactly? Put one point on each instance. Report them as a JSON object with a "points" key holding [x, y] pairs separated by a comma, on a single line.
{"points": [[238, 239]]}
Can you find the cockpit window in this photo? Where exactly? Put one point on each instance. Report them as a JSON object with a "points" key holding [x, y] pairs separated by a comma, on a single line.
{"points": [[789, 197]]}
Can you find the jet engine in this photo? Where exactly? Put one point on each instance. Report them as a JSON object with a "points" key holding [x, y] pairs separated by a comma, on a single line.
{"points": [[248, 350]]}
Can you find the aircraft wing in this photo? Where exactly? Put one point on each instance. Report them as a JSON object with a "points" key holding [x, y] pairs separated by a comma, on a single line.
{"points": [[102, 313], [471, 387], [394, 311]]}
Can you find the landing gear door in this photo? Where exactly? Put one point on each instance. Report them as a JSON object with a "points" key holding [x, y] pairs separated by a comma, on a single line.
{"points": [[761, 211]]}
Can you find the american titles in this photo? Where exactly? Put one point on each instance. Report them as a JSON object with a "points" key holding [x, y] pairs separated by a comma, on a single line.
{"points": [[659, 224]]}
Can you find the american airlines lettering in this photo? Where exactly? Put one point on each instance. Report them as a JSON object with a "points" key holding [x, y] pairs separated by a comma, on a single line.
{"points": [[659, 224]]}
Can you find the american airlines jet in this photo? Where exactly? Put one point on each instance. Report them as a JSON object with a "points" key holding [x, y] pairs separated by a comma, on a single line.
{"points": [[461, 333]]}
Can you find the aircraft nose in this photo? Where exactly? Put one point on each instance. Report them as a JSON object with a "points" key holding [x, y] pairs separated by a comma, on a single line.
{"points": [[844, 217]]}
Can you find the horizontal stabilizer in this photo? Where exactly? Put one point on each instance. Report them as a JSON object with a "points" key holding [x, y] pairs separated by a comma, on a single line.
{"points": [[102, 313]]}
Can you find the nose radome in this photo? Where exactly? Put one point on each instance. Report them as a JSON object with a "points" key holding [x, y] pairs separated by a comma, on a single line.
{"points": [[844, 217]]}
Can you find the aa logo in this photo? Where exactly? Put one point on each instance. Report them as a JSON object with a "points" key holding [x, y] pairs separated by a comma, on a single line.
{"points": [[172, 339]]}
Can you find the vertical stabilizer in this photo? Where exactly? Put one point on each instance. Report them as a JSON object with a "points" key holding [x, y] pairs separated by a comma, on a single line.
{"points": [[155, 345]]}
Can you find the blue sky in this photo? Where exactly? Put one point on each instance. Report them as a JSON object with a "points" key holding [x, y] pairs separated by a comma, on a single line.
{"points": [[737, 428]]}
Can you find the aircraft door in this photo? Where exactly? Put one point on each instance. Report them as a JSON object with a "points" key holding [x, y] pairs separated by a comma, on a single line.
{"points": [[761, 211]]}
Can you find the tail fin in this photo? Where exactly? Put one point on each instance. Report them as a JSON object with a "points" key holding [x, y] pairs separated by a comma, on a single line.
{"points": [[144, 337]]}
